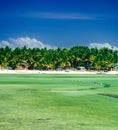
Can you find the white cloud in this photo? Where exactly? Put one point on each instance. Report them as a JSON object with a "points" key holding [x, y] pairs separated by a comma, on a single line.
{"points": [[24, 41], [52, 15], [102, 45]]}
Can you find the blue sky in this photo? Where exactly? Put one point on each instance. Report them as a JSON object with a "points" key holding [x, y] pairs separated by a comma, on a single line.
{"points": [[62, 23]]}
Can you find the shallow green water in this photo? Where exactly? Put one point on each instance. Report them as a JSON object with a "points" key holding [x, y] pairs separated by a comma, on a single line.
{"points": [[58, 102]]}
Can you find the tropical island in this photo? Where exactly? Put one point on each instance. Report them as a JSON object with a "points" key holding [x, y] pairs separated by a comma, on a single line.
{"points": [[76, 58]]}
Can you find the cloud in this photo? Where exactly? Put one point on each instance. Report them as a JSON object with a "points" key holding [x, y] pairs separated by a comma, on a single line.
{"points": [[49, 15], [24, 41], [102, 45]]}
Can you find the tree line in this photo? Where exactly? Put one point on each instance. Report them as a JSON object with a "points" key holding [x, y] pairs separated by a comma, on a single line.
{"points": [[43, 59]]}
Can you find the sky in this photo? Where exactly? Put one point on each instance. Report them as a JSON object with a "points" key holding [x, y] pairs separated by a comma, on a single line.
{"points": [[58, 23]]}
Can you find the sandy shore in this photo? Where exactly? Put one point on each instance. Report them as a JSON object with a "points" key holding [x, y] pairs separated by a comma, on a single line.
{"points": [[19, 71], [67, 72], [53, 72]]}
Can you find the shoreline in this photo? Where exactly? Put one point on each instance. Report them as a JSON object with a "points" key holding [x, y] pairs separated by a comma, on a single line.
{"points": [[54, 72]]}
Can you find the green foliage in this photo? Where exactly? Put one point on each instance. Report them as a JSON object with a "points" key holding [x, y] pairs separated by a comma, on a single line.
{"points": [[94, 59]]}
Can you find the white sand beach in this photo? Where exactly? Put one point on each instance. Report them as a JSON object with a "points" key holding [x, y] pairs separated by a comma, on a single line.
{"points": [[53, 72], [19, 71]]}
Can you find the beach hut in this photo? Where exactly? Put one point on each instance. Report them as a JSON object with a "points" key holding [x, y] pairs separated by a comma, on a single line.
{"points": [[81, 68], [22, 66]]}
